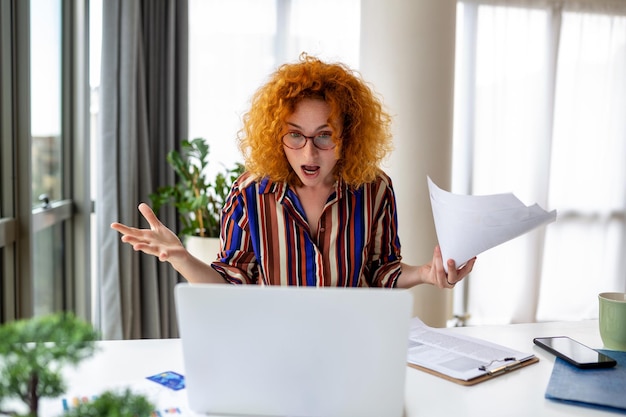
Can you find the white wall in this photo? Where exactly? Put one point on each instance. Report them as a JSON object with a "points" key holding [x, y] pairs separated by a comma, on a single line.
{"points": [[407, 53]]}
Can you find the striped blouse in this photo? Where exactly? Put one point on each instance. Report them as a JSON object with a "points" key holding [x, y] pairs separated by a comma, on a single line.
{"points": [[266, 239]]}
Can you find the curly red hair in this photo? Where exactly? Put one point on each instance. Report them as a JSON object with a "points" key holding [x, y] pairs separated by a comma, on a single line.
{"points": [[361, 125]]}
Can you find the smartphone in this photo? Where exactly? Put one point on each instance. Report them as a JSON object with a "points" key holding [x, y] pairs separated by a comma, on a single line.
{"points": [[574, 352]]}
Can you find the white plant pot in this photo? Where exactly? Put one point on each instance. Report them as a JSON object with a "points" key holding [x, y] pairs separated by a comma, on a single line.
{"points": [[203, 248]]}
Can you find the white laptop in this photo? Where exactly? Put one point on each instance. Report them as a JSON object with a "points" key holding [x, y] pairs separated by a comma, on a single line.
{"points": [[294, 351]]}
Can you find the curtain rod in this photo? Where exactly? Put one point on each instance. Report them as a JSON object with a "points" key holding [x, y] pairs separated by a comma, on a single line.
{"points": [[611, 7]]}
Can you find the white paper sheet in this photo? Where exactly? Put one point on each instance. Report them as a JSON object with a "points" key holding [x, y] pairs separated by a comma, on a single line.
{"points": [[467, 225]]}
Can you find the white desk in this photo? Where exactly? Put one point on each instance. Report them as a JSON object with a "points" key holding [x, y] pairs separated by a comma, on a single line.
{"points": [[519, 393]]}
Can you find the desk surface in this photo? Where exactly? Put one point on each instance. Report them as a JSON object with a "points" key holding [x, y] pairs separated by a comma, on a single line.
{"points": [[519, 393]]}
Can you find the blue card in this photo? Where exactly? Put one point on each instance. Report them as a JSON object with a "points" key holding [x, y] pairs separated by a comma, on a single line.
{"points": [[169, 379]]}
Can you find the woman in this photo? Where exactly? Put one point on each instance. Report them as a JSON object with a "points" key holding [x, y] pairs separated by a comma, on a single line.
{"points": [[313, 208]]}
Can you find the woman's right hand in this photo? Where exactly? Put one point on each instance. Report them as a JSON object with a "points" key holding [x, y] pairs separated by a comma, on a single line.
{"points": [[158, 240], [161, 242]]}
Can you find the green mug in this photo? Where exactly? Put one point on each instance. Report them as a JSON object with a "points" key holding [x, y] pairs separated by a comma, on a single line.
{"points": [[613, 320]]}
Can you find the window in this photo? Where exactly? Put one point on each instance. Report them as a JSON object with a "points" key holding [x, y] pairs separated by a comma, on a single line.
{"points": [[41, 51], [95, 54], [539, 108], [47, 156], [232, 53], [7, 167]]}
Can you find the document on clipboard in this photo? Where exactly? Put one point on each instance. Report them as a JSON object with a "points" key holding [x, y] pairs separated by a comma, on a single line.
{"points": [[458, 358]]}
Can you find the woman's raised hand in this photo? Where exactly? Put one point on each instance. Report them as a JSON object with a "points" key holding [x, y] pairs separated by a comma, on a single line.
{"points": [[158, 240]]}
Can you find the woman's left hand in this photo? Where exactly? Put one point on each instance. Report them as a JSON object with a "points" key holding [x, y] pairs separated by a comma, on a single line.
{"points": [[433, 273]]}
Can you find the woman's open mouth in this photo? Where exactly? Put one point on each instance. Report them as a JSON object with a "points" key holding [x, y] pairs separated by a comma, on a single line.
{"points": [[310, 169]]}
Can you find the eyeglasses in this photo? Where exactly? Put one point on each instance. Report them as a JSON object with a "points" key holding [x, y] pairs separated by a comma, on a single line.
{"points": [[297, 140]]}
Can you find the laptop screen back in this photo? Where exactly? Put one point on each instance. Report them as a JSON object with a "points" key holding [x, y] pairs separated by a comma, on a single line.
{"points": [[294, 351]]}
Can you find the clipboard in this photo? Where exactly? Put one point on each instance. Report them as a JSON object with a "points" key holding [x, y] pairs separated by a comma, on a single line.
{"points": [[505, 369]]}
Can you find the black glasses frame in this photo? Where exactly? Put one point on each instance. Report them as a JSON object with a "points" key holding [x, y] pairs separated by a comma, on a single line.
{"points": [[306, 139]]}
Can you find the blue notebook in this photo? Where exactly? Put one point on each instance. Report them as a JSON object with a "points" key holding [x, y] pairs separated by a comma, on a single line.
{"points": [[603, 388]]}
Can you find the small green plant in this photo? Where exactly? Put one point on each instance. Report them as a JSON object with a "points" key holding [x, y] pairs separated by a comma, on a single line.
{"points": [[197, 200], [113, 404], [33, 353]]}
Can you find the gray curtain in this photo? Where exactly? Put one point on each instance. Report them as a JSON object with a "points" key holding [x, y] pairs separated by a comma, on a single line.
{"points": [[143, 110]]}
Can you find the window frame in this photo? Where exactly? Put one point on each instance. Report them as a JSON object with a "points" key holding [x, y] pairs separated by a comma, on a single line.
{"points": [[15, 154], [18, 220]]}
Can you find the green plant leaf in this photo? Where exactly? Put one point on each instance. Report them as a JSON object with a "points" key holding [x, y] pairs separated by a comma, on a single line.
{"points": [[197, 200]]}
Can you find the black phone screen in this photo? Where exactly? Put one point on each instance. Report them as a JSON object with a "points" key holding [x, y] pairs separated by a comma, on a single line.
{"points": [[575, 352]]}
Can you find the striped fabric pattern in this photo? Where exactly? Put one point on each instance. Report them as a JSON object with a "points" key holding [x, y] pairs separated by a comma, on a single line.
{"points": [[266, 239]]}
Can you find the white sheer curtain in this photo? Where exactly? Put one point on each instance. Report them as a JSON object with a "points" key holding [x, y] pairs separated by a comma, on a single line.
{"points": [[540, 106]]}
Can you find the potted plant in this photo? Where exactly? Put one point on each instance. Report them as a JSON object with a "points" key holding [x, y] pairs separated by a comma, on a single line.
{"points": [[33, 353], [197, 200], [114, 404]]}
